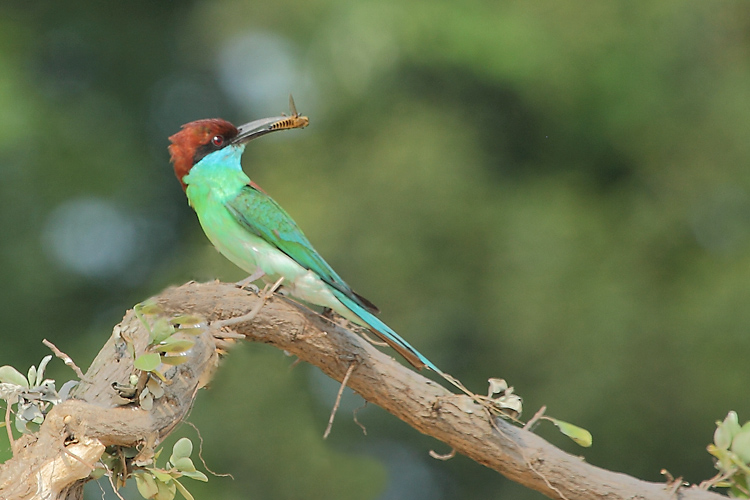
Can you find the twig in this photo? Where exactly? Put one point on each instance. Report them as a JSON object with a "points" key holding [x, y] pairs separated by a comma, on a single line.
{"points": [[66, 359], [533, 420], [7, 425], [77, 458], [109, 476], [356, 421], [104, 494], [200, 452], [338, 399], [720, 476]]}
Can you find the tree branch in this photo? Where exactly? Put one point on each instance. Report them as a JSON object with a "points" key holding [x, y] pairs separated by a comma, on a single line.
{"points": [[96, 420]]}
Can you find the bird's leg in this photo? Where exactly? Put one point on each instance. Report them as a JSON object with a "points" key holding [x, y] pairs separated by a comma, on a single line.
{"points": [[264, 296], [247, 282]]}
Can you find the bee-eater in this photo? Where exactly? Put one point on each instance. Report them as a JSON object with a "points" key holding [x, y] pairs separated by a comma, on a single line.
{"points": [[249, 228]]}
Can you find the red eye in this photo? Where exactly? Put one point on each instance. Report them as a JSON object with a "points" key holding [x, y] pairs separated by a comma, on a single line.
{"points": [[217, 140]]}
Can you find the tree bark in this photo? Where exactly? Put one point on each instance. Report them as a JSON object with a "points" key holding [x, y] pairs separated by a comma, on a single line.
{"points": [[54, 462]]}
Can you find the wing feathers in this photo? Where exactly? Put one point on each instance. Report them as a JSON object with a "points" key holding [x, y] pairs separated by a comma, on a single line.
{"points": [[260, 214]]}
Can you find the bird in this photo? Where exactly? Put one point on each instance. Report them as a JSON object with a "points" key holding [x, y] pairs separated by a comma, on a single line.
{"points": [[254, 232]]}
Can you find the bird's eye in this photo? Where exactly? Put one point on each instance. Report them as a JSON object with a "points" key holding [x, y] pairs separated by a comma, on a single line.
{"points": [[217, 140]]}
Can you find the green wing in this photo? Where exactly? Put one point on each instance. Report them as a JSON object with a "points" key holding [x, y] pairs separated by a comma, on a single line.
{"points": [[260, 214]]}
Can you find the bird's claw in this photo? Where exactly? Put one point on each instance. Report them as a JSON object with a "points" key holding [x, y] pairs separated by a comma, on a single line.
{"points": [[251, 287], [247, 283]]}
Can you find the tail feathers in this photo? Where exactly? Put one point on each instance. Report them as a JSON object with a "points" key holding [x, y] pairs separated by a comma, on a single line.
{"points": [[371, 308], [388, 335]]}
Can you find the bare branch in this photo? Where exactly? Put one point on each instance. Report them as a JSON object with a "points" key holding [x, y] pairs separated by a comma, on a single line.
{"points": [[65, 358]]}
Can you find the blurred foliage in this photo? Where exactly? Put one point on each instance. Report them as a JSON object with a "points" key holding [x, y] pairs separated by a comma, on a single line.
{"points": [[557, 194]]}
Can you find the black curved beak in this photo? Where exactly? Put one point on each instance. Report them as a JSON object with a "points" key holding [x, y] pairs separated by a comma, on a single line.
{"points": [[257, 128]]}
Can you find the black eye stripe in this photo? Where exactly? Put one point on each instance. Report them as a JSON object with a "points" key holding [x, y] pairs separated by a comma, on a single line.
{"points": [[216, 142], [202, 151]]}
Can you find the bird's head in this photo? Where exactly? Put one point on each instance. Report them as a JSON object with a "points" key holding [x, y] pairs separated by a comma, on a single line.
{"points": [[202, 137]]}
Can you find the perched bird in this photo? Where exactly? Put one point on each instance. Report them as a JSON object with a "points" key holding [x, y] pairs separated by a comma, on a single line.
{"points": [[249, 228]]}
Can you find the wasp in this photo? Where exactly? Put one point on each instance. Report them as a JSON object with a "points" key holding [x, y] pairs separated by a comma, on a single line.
{"points": [[294, 121]]}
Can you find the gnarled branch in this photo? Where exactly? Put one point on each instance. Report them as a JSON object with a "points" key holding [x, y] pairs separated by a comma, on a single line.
{"points": [[95, 419]]}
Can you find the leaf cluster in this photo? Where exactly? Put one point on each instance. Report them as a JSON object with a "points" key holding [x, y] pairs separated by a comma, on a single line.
{"points": [[731, 447], [32, 394]]}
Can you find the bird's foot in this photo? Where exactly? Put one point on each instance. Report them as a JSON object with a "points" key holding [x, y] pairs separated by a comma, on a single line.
{"points": [[247, 283], [250, 287]]}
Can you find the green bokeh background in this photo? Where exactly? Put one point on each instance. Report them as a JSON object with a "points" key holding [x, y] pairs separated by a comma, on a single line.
{"points": [[557, 194]]}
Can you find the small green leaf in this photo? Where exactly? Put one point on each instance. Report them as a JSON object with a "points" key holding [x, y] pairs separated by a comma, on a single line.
{"points": [[183, 448], [198, 475], [187, 319], [32, 376], [167, 491], [741, 445], [9, 375], [726, 430], [577, 434], [733, 421], [174, 346], [40, 370], [161, 330], [148, 307], [184, 464], [146, 484], [183, 490], [160, 474], [147, 362], [21, 425]]}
